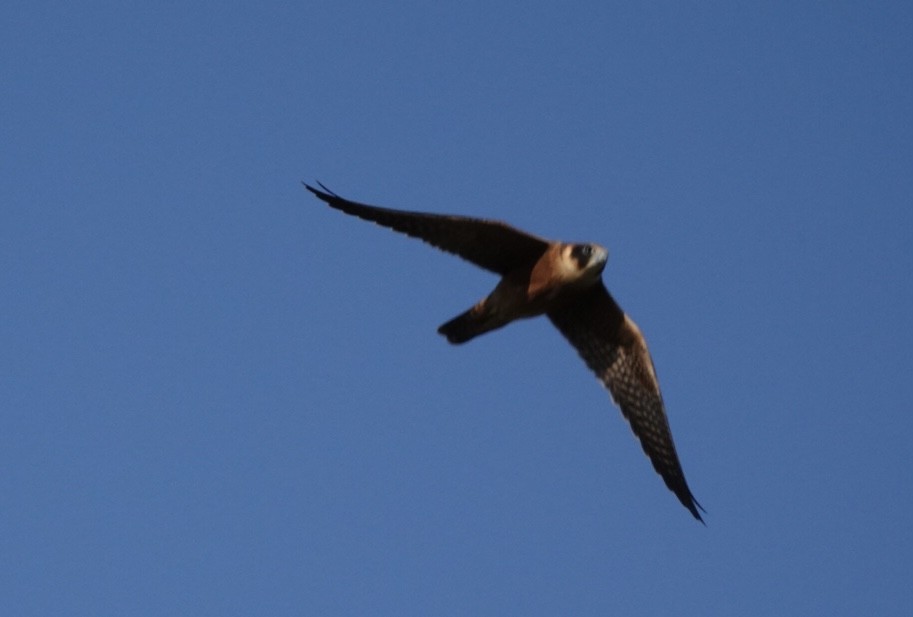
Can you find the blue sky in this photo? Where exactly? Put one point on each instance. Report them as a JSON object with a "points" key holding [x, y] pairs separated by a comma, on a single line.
{"points": [[220, 397]]}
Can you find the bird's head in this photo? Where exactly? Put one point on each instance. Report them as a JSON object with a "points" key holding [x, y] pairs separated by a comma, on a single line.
{"points": [[587, 261]]}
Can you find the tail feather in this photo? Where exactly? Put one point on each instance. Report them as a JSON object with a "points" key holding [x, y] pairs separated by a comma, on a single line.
{"points": [[463, 327]]}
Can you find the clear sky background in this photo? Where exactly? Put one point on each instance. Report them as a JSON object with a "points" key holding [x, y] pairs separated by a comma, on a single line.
{"points": [[221, 397]]}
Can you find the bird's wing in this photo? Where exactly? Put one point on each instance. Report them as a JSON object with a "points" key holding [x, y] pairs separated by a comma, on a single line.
{"points": [[613, 347], [492, 245]]}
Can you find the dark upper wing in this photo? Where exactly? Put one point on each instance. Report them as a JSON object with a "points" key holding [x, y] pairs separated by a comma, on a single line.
{"points": [[613, 347], [491, 245]]}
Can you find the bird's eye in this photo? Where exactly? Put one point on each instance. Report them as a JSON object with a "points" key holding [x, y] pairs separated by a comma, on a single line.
{"points": [[583, 250], [582, 253]]}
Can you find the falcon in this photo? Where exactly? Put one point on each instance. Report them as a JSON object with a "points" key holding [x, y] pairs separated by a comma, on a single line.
{"points": [[564, 282]]}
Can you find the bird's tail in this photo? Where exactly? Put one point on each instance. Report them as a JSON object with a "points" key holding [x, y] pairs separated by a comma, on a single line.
{"points": [[470, 324]]}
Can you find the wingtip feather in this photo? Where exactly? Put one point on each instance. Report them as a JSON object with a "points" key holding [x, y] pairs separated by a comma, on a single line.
{"points": [[325, 194], [696, 508]]}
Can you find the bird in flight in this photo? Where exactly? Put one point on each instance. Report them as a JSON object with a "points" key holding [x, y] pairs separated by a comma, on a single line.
{"points": [[564, 282]]}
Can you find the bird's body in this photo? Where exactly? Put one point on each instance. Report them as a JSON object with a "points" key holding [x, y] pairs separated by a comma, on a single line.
{"points": [[528, 291], [560, 280]]}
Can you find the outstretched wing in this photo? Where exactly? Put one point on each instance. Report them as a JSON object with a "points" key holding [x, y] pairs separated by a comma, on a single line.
{"points": [[491, 245], [613, 347]]}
